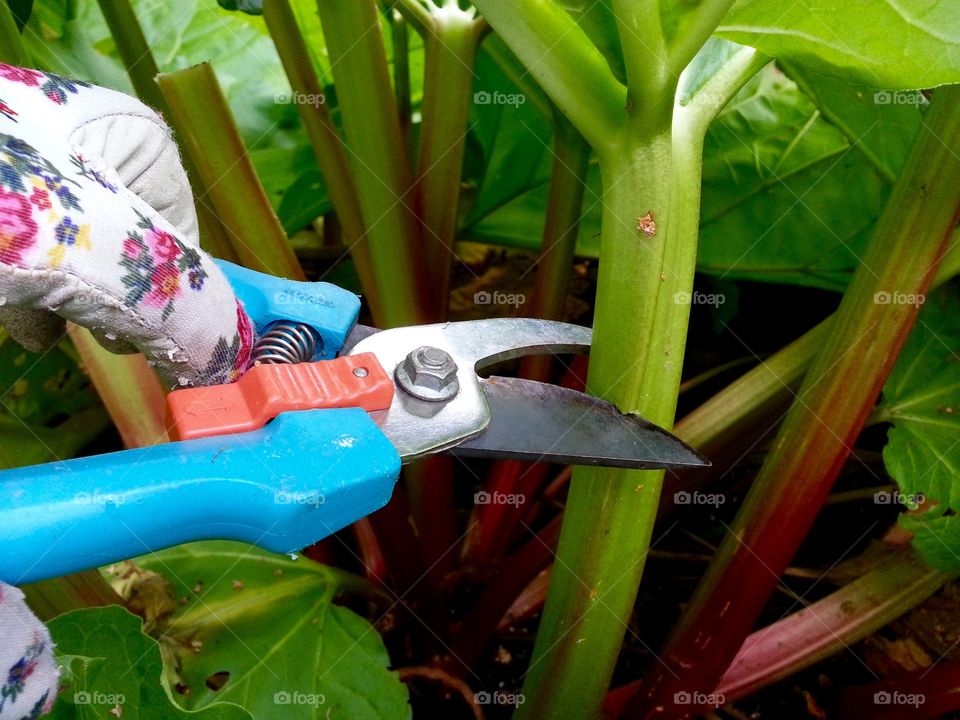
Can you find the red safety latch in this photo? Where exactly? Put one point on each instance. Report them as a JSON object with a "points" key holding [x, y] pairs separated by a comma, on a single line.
{"points": [[265, 391]]}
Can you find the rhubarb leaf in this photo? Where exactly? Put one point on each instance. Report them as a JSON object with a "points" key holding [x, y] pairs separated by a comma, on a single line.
{"points": [[922, 401]]}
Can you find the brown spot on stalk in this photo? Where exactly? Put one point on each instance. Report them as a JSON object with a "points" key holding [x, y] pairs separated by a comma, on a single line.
{"points": [[647, 224]]}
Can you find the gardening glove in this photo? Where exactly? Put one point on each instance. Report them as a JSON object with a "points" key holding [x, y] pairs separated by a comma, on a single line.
{"points": [[28, 673], [97, 226]]}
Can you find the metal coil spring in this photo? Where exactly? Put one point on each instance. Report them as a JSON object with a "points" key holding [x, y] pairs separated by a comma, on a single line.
{"points": [[285, 343]]}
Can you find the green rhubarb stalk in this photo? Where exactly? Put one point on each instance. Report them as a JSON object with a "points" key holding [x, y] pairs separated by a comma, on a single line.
{"points": [[377, 154], [400, 33], [209, 137], [325, 140], [650, 168], [133, 49], [856, 354], [129, 389], [451, 38], [609, 518]]}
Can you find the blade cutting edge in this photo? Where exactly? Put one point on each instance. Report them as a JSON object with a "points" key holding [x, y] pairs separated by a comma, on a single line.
{"points": [[538, 422]]}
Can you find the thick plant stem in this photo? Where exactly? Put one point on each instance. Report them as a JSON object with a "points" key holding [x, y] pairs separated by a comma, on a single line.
{"points": [[839, 620], [721, 418], [310, 101], [376, 152], [451, 48], [640, 332], [129, 388], [133, 49], [50, 598], [836, 398], [202, 118], [400, 32], [451, 38]]}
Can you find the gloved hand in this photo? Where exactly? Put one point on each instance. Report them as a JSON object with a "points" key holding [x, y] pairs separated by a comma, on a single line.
{"points": [[97, 226], [28, 673]]}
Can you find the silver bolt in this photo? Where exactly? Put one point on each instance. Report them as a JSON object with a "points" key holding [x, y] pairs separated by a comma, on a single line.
{"points": [[428, 373], [360, 372]]}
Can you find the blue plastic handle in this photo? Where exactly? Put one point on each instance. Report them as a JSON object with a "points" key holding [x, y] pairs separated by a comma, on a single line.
{"points": [[331, 311], [283, 487]]}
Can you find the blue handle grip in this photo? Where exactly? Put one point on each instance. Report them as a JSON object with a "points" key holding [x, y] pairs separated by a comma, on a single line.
{"points": [[331, 311], [282, 487]]}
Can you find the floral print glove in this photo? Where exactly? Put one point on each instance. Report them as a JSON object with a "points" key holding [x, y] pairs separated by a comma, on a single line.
{"points": [[97, 226], [28, 672]]}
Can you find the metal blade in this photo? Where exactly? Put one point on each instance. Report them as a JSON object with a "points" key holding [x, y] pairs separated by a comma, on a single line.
{"points": [[357, 334], [418, 428], [534, 421]]}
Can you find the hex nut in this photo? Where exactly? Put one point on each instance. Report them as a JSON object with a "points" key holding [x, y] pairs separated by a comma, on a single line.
{"points": [[428, 373]]}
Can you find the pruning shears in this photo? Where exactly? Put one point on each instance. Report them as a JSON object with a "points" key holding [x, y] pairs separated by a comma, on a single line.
{"points": [[312, 437]]}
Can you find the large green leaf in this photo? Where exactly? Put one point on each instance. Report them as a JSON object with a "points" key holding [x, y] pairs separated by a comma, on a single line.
{"points": [[879, 123], [112, 670], [885, 43], [261, 630], [777, 177], [786, 197], [509, 145], [922, 401]]}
